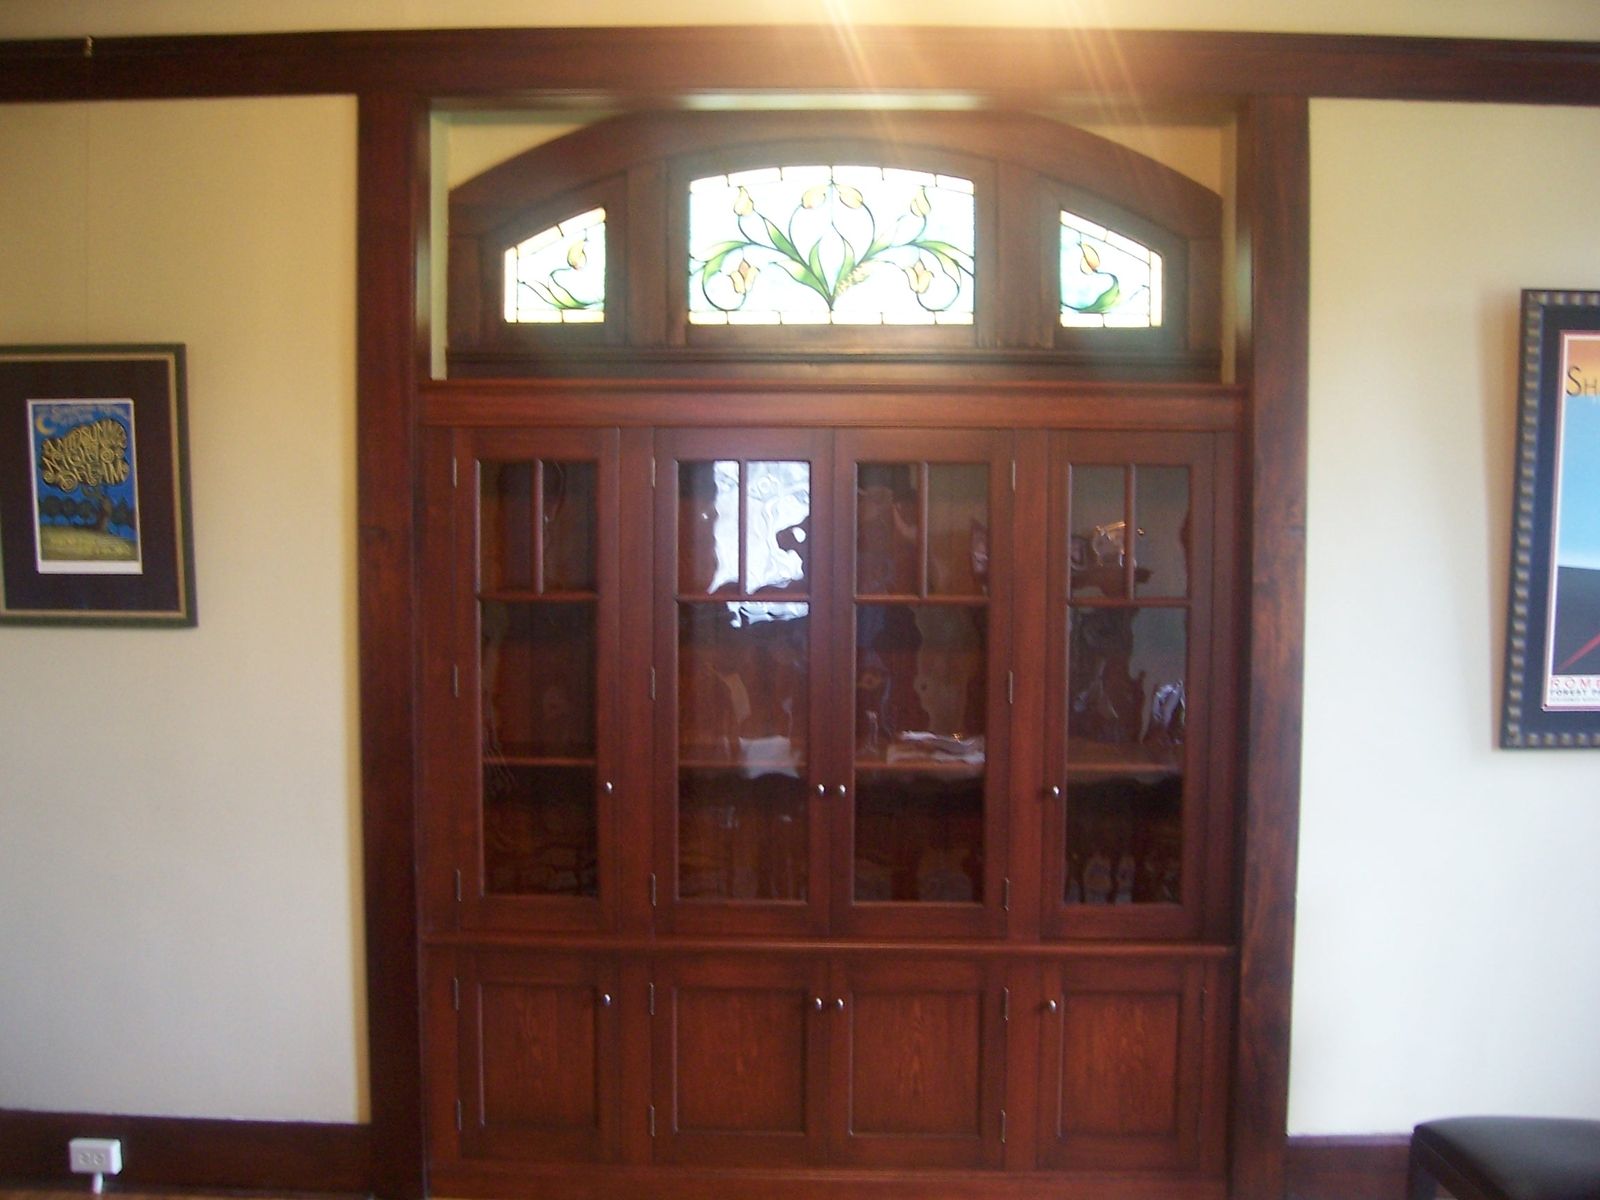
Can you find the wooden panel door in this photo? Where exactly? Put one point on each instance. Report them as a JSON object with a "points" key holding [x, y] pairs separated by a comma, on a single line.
{"points": [[740, 672], [738, 1059], [922, 670], [1137, 561], [537, 1042], [1130, 1065], [917, 1049]]}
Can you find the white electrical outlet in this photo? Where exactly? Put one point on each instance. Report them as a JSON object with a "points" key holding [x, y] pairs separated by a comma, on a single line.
{"points": [[95, 1156]]}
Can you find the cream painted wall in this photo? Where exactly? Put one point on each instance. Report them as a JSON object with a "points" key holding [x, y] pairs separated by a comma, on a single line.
{"points": [[1447, 958], [180, 925], [191, 943]]}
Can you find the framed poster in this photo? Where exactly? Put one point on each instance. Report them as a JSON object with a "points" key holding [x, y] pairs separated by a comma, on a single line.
{"points": [[94, 486], [1552, 677]]}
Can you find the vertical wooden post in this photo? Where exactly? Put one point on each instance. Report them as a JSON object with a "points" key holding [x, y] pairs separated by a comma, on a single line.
{"points": [[1274, 296], [392, 224]]}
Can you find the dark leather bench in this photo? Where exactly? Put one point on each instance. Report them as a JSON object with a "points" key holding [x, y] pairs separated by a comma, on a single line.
{"points": [[1506, 1158]]}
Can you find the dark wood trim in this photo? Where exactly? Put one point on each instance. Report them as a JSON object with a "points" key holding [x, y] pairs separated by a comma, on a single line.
{"points": [[392, 220], [1347, 1168], [1274, 234], [603, 67], [189, 1153]]}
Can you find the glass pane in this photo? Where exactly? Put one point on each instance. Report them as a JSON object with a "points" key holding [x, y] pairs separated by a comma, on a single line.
{"points": [[1108, 281], [888, 518], [540, 830], [570, 507], [742, 680], [1126, 686], [505, 525], [1161, 550], [742, 834], [538, 671], [919, 836], [836, 245], [708, 527], [1124, 841], [958, 529], [1099, 528], [777, 524], [559, 274], [921, 683]]}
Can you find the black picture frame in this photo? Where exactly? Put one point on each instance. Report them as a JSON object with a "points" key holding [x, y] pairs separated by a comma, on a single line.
{"points": [[1552, 664], [95, 524]]}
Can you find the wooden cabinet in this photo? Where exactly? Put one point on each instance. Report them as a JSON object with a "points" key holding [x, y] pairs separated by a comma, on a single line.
{"points": [[826, 799]]}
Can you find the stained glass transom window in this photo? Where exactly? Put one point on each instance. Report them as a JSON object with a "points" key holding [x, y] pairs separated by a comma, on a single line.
{"points": [[839, 245], [559, 274], [1108, 281]]}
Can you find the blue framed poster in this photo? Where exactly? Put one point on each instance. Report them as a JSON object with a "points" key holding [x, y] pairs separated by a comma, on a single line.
{"points": [[1552, 685], [94, 495]]}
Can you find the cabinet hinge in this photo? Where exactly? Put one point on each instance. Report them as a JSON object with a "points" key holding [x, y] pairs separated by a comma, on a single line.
{"points": [[455, 472], [1002, 1127], [458, 885], [1011, 687], [652, 471], [455, 680], [652, 889], [652, 999], [652, 685], [458, 1116], [1005, 1004], [652, 1120], [1202, 1004], [455, 992], [1005, 894], [1013, 474]]}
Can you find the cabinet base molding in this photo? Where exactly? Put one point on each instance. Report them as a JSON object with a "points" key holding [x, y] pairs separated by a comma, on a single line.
{"points": [[192, 1153], [1343, 1167], [671, 1183]]}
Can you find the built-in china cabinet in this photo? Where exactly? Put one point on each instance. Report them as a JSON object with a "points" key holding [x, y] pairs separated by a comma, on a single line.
{"points": [[829, 598]]}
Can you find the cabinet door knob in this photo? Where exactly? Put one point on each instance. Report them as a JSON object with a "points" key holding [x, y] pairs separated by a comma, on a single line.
{"points": [[839, 1003], [822, 789], [609, 787], [816, 1003], [1053, 791], [1051, 1005], [843, 791], [605, 999]]}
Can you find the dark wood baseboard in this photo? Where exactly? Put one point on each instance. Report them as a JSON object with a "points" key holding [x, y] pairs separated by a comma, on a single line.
{"points": [[1347, 1168], [192, 1153]]}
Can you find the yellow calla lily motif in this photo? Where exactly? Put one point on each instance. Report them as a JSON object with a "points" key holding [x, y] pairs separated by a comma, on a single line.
{"points": [[744, 277], [577, 256], [919, 278]]}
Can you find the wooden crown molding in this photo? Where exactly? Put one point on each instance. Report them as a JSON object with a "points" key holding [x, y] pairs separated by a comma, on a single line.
{"points": [[623, 65]]}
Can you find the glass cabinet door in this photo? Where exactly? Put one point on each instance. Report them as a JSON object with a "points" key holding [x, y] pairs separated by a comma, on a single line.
{"points": [[739, 640], [537, 539], [925, 636], [1131, 552]]}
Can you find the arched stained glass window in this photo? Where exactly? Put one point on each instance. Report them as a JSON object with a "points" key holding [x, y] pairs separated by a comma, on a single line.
{"points": [[839, 245], [1108, 281], [559, 274]]}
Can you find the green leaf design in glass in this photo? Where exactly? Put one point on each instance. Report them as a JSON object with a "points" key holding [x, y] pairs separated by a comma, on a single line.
{"points": [[831, 245], [1108, 281], [559, 274]]}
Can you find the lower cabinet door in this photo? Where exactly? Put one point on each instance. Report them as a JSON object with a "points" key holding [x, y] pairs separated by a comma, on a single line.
{"points": [[1131, 1064], [739, 1062], [918, 1062], [537, 1039]]}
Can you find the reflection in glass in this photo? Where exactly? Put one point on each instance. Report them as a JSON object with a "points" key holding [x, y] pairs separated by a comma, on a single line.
{"points": [[1161, 498], [540, 830], [568, 511], [708, 526], [888, 519], [1124, 841], [742, 834], [538, 670], [777, 524], [505, 525], [921, 683], [742, 680], [958, 529], [919, 836], [1099, 529], [1126, 700]]}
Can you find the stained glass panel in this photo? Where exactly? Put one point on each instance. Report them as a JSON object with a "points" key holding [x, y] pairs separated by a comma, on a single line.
{"points": [[1108, 281], [839, 245], [559, 274]]}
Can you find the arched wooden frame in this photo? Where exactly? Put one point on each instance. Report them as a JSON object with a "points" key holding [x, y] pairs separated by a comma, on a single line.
{"points": [[1024, 170]]}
